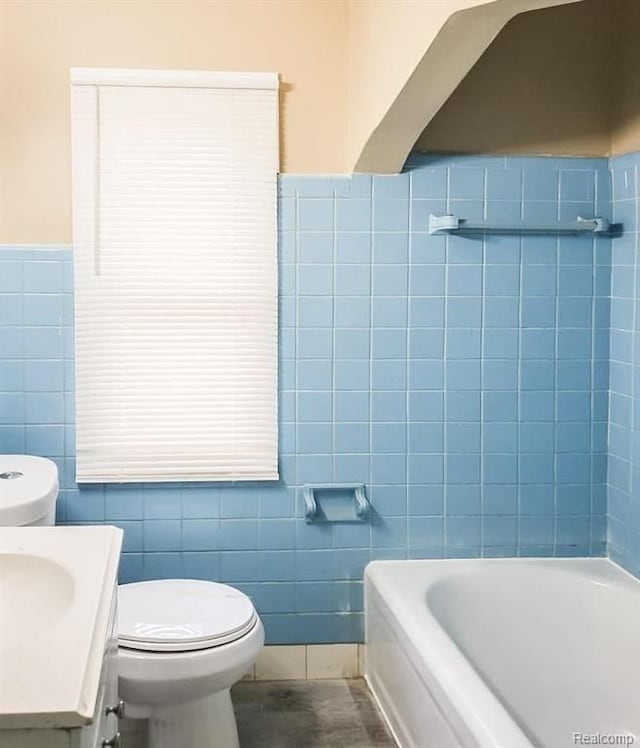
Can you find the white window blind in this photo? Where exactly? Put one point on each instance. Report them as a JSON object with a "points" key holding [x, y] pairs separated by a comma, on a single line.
{"points": [[175, 259]]}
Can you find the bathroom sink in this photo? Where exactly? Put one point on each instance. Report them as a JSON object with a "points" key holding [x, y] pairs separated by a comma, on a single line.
{"points": [[35, 593], [57, 589]]}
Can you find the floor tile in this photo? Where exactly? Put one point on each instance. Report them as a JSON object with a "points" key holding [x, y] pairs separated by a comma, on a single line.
{"points": [[308, 714]]}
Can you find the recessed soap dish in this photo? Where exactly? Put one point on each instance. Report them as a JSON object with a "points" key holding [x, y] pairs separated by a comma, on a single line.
{"points": [[336, 502]]}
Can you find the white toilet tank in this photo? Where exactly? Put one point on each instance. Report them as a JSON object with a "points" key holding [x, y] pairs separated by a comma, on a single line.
{"points": [[28, 490]]}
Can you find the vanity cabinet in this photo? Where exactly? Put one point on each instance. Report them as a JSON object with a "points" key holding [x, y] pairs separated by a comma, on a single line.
{"points": [[64, 689], [102, 731]]}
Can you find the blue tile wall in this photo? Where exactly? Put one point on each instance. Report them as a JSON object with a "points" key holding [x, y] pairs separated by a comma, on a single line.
{"points": [[624, 422], [464, 381]]}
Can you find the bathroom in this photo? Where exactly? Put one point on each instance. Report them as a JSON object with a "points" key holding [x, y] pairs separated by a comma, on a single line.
{"points": [[446, 399]]}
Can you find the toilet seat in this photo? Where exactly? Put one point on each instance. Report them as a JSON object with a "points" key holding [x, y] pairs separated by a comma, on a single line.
{"points": [[181, 615]]}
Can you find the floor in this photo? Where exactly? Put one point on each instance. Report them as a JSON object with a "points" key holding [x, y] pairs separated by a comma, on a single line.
{"points": [[296, 714], [308, 714]]}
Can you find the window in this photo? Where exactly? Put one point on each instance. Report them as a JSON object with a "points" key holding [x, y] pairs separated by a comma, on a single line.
{"points": [[175, 260]]}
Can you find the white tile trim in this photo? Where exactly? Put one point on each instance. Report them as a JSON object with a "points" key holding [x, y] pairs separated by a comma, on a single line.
{"points": [[308, 662]]}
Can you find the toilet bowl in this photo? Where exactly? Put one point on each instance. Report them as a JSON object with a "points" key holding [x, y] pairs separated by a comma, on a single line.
{"points": [[182, 644]]}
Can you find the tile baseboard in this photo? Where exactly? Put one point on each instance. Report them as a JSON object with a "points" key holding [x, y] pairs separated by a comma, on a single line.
{"points": [[308, 662]]}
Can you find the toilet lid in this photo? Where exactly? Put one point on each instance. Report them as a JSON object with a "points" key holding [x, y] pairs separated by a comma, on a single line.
{"points": [[179, 615]]}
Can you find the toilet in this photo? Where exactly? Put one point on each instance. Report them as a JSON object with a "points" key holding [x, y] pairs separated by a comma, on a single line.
{"points": [[182, 644]]}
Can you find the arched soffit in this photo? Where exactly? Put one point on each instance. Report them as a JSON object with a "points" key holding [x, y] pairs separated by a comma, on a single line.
{"points": [[456, 48]]}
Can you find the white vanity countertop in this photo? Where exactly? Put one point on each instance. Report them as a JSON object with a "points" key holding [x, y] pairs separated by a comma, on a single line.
{"points": [[56, 595]]}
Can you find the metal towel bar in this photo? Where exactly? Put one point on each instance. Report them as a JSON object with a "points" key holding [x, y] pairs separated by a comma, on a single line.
{"points": [[453, 223]]}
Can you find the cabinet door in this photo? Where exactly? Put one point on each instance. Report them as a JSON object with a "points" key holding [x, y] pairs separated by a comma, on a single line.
{"points": [[105, 722]]}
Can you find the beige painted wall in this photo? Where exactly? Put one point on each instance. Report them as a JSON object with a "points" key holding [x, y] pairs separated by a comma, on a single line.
{"points": [[344, 65], [561, 80], [387, 40], [41, 39], [306, 41]]}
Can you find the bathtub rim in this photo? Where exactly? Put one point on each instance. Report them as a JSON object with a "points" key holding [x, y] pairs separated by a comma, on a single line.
{"points": [[459, 691]]}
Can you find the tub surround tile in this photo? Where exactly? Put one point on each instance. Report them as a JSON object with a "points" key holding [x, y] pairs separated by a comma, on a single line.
{"points": [[623, 480], [397, 348]]}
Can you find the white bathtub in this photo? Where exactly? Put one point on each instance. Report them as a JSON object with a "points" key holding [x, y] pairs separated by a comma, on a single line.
{"points": [[504, 653]]}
